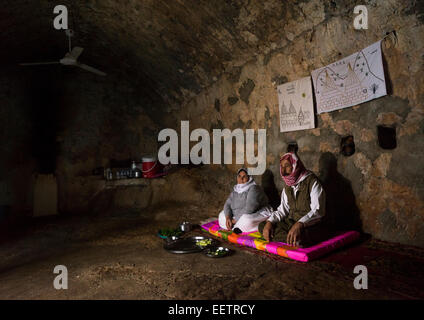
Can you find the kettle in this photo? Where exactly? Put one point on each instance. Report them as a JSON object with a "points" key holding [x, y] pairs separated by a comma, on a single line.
{"points": [[135, 172]]}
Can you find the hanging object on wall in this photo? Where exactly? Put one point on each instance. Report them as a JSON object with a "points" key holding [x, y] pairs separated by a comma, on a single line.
{"points": [[292, 147], [296, 105], [347, 146], [350, 81]]}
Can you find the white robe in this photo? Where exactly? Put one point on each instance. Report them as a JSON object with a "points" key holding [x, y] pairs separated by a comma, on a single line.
{"points": [[247, 222]]}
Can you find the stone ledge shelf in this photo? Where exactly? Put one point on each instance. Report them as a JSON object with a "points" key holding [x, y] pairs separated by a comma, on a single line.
{"points": [[93, 191], [127, 182]]}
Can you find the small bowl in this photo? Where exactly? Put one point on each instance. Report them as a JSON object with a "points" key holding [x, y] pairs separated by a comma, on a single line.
{"points": [[209, 252], [172, 238]]}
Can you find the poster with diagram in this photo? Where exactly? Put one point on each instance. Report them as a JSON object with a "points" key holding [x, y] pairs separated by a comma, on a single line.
{"points": [[296, 105], [350, 81]]}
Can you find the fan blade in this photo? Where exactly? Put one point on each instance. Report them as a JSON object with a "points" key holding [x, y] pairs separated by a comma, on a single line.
{"points": [[39, 63], [76, 52], [91, 69]]}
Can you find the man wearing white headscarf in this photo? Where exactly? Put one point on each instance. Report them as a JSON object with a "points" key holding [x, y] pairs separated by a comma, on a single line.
{"points": [[246, 207]]}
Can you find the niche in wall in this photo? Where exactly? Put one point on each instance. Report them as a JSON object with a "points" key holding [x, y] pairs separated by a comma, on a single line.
{"points": [[292, 147], [347, 146], [386, 137]]}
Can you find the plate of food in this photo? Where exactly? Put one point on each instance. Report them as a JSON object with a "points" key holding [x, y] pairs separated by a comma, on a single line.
{"points": [[217, 252], [190, 244]]}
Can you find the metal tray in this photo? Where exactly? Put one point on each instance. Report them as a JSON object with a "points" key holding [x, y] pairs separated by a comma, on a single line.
{"points": [[213, 249], [188, 245]]}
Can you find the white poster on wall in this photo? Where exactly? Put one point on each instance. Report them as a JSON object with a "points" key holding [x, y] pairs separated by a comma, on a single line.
{"points": [[296, 105], [350, 81]]}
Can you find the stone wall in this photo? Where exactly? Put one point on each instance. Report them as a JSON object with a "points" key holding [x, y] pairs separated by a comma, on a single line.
{"points": [[384, 188], [68, 122], [105, 120]]}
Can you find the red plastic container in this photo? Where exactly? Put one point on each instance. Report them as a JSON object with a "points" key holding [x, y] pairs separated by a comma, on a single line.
{"points": [[150, 167]]}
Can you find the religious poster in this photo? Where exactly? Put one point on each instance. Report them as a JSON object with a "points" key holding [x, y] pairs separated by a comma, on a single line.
{"points": [[296, 105], [350, 81]]}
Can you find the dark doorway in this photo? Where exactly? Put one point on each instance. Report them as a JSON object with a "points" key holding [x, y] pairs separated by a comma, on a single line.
{"points": [[45, 94]]}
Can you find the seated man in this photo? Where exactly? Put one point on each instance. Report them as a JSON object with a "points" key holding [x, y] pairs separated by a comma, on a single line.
{"points": [[298, 220], [246, 207]]}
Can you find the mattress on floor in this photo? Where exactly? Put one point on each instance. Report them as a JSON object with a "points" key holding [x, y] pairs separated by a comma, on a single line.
{"points": [[254, 240]]}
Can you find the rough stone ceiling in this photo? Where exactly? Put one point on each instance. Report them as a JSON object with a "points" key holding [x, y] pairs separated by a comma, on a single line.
{"points": [[167, 45], [169, 49]]}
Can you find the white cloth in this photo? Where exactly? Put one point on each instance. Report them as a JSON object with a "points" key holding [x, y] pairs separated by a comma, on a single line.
{"points": [[317, 202], [243, 187], [247, 222]]}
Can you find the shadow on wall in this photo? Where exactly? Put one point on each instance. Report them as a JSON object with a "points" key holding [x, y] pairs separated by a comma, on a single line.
{"points": [[270, 189], [341, 210]]}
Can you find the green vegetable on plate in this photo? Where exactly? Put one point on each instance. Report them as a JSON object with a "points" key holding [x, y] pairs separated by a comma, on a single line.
{"points": [[203, 243], [217, 252], [169, 232]]}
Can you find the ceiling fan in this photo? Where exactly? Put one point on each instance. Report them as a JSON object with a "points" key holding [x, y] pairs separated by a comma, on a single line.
{"points": [[70, 58]]}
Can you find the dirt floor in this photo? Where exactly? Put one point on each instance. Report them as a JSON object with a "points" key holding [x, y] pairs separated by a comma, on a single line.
{"points": [[119, 256]]}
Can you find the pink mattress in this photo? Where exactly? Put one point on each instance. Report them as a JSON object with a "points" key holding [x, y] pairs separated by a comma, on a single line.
{"points": [[253, 240]]}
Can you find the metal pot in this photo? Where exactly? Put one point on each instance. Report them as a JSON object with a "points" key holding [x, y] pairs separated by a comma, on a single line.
{"points": [[185, 226]]}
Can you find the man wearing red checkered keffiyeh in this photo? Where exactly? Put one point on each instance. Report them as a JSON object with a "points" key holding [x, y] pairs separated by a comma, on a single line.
{"points": [[298, 219], [298, 171]]}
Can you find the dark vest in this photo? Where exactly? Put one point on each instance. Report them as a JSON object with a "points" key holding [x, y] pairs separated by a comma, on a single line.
{"points": [[300, 205]]}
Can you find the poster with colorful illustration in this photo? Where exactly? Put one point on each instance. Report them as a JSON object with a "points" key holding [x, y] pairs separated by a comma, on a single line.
{"points": [[296, 105], [350, 81]]}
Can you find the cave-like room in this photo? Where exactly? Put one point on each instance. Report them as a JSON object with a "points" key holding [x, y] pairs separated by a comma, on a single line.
{"points": [[211, 150]]}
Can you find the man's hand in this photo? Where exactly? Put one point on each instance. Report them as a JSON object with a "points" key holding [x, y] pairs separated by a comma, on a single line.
{"points": [[229, 222], [268, 231], [294, 233]]}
